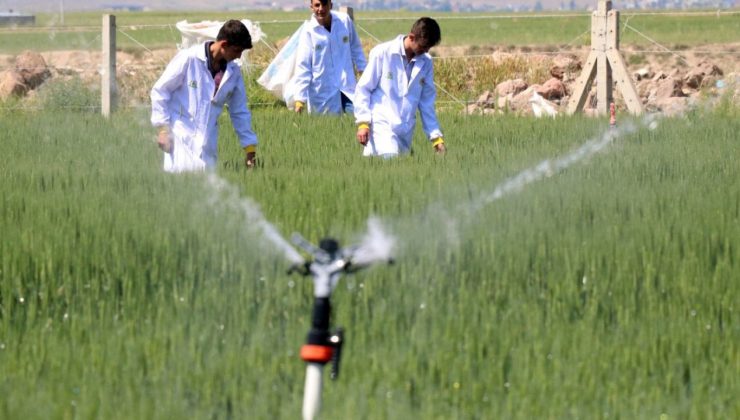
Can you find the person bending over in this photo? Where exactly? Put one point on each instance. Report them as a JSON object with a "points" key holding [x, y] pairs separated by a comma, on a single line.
{"points": [[190, 95], [398, 81]]}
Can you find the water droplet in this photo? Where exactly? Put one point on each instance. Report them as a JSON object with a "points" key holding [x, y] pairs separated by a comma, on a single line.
{"points": [[291, 284], [221, 327], [66, 316], [2, 346], [693, 312], [708, 327], [21, 300], [182, 299], [423, 305], [584, 280]]}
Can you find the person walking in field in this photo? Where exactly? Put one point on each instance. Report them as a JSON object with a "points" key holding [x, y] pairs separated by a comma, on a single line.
{"points": [[398, 80], [190, 95], [327, 55]]}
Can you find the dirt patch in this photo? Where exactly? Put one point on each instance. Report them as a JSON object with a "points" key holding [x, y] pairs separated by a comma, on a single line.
{"points": [[137, 70]]}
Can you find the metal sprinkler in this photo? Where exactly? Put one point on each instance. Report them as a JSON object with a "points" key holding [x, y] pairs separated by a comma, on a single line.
{"points": [[328, 262]]}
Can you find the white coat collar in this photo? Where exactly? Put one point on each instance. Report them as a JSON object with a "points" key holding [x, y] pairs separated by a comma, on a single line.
{"points": [[313, 23], [200, 54], [420, 60]]}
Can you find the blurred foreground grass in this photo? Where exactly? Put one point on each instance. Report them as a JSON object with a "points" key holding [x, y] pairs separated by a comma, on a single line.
{"points": [[606, 291]]}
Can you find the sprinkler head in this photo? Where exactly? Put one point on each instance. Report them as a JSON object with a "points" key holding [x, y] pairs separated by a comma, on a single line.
{"points": [[330, 245]]}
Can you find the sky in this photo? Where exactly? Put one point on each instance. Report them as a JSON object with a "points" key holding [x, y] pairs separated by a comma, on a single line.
{"points": [[30, 6]]}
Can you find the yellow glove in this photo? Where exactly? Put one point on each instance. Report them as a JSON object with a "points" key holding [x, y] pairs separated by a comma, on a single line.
{"points": [[251, 159]]}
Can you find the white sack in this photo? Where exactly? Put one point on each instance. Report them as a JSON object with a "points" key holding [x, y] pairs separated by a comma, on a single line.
{"points": [[278, 76], [541, 107], [207, 30]]}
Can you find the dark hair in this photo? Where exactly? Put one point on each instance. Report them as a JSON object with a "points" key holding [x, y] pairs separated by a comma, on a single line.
{"points": [[427, 30], [235, 33]]}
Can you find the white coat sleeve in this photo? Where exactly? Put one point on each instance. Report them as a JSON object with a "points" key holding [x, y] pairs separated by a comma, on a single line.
{"points": [[358, 56], [172, 79], [303, 66], [426, 104], [240, 115], [366, 86]]}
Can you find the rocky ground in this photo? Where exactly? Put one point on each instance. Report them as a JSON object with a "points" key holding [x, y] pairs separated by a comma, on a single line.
{"points": [[665, 82]]}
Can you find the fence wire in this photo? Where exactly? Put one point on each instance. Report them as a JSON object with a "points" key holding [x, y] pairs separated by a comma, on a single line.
{"points": [[126, 30]]}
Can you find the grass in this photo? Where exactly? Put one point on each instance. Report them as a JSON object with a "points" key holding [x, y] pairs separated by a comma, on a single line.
{"points": [[606, 291], [156, 29]]}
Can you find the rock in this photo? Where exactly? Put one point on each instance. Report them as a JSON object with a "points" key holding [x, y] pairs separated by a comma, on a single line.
{"points": [[503, 101], [520, 102], [32, 68], [643, 73], [471, 109], [486, 100], [552, 89], [565, 66], [513, 86], [659, 76], [671, 106], [696, 76], [644, 87], [12, 84], [669, 87]]}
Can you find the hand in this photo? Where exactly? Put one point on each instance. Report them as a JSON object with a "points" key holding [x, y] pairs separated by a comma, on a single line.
{"points": [[164, 141], [363, 135], [251, 160], [440, 149]]}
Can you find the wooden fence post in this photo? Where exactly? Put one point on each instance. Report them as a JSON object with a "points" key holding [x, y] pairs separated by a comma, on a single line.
{"points": [[349, 11], [604, 63], [109, 91]]}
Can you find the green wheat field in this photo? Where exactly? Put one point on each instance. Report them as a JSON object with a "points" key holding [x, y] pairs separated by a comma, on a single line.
{"points": [[607, 290]]}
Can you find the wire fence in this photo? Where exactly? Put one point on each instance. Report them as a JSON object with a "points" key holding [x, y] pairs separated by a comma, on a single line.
{"points": [[156, 61]]}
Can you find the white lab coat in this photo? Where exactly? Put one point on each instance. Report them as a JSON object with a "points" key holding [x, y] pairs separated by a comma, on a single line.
{"points": [[324, 64], [387, 99], [183, 98]]}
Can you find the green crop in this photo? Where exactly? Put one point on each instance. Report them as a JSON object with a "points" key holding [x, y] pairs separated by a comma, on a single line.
{"points": [[608, 290]]}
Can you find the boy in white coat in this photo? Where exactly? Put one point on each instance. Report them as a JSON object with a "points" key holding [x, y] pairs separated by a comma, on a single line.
{"points": [[190, 95], [398, 80], [328, 52]]}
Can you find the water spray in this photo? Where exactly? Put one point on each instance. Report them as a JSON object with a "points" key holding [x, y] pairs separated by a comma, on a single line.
{"points": [[328, 261]]}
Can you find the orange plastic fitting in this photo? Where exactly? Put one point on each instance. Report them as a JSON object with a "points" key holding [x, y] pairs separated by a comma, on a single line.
{"points": [[316, 353]]}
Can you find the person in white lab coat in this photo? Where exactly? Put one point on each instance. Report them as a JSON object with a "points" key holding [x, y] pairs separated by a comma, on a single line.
{"points": [[328, 53], [190, 95], [398, 80]]}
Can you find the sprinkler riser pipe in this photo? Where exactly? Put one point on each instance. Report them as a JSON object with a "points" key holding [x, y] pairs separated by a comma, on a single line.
{"points": [[312, 390]]}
